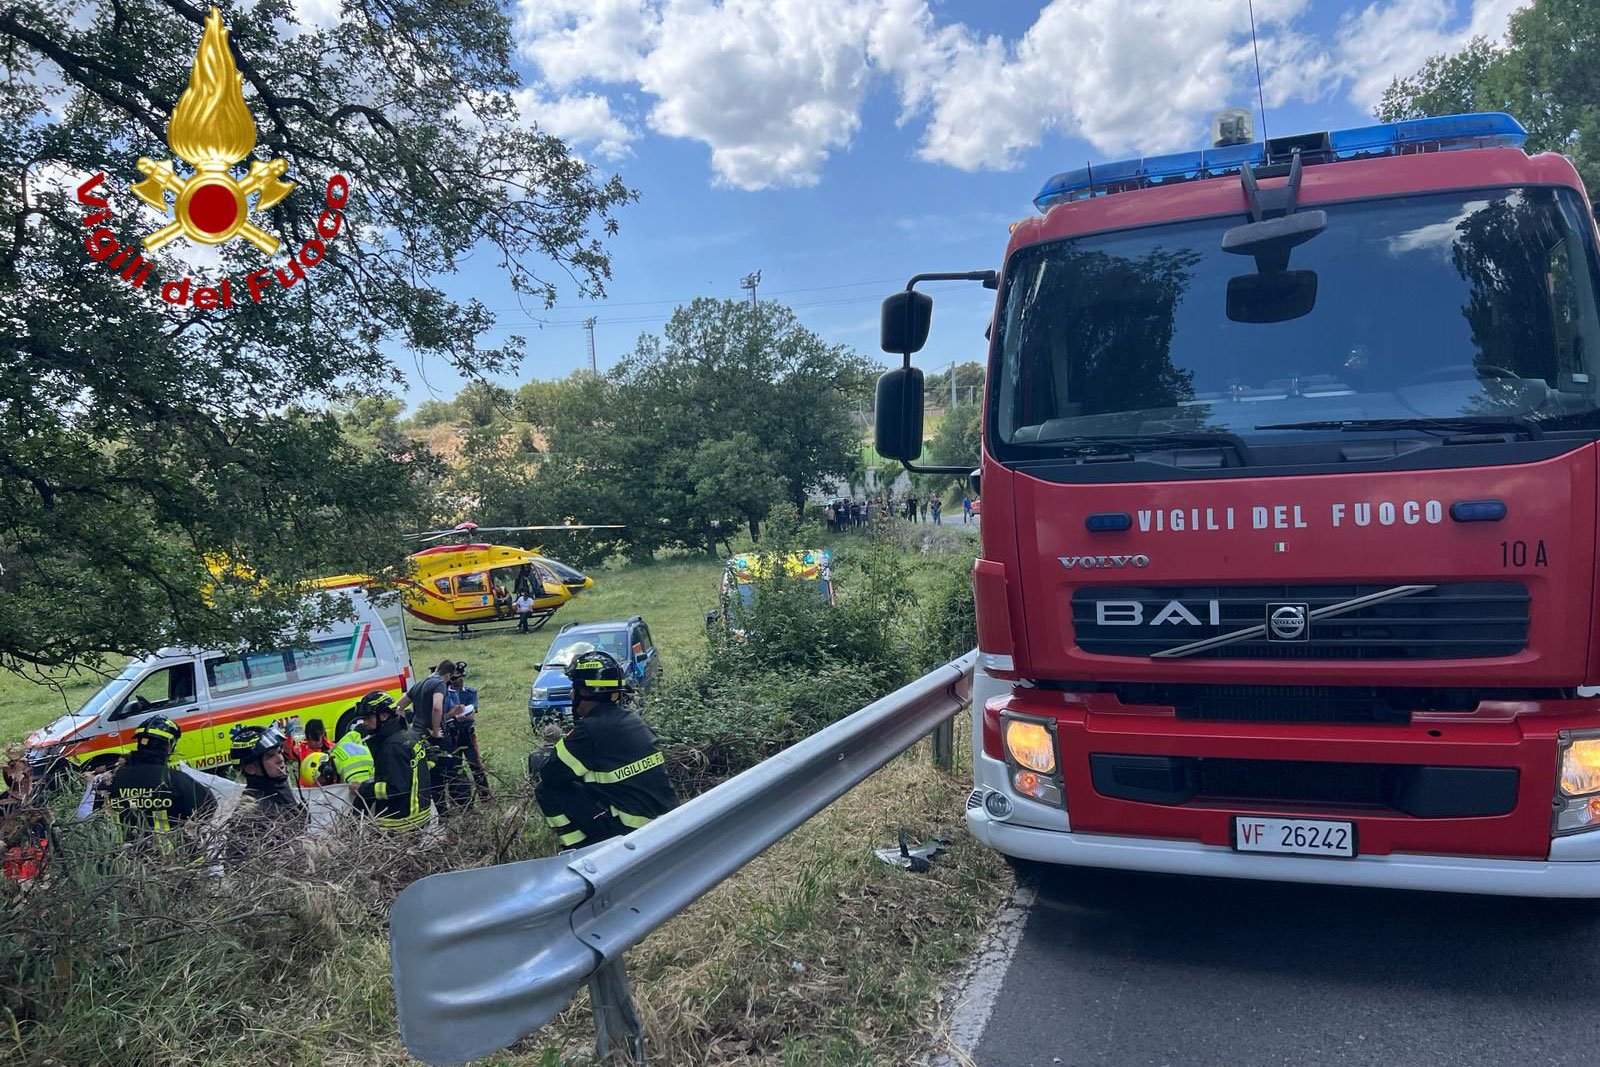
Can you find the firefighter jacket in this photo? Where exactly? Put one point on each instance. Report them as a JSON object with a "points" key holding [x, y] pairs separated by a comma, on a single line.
{"points": [[399, 792], [614, 755], [147, 795]]}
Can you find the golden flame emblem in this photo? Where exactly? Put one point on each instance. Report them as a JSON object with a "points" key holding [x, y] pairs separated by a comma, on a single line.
{"points": [[212, 131]]}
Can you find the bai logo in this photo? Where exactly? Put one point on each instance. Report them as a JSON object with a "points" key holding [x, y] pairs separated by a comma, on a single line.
{"points": [[211, 131]]}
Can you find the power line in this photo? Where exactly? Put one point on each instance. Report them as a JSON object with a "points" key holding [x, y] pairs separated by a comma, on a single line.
{"points": [[602, 304], [659, 317]]}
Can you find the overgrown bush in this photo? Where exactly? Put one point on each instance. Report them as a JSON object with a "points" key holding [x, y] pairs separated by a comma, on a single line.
{"points": [[234, 947], [791, 664], [950, 621]]}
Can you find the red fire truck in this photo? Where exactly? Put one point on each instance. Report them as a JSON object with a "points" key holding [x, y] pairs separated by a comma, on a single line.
{"points": [[1289, 478]]}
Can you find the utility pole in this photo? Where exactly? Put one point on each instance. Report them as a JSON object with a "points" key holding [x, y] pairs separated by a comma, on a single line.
{"points": [[588, 325], [953, 386], [750, 282]]}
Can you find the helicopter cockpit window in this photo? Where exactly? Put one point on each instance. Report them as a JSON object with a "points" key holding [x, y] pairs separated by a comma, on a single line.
{"points": [[443, 585], [472, 583]]}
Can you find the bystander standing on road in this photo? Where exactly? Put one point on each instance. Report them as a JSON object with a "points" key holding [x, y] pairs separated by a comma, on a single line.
{"points": [[937, 505], [966, 509]]}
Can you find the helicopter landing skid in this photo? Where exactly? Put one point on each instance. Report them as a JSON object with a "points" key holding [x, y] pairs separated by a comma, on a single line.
{"points": [[463, 631]]}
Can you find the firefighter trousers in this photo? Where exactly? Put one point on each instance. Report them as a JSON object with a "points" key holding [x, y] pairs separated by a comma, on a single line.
{"points": [[576, 815]]}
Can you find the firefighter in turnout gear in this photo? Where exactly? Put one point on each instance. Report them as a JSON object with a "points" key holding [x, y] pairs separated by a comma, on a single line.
{"points": [[399, 791], [606, 777], [146, 795], [262, 756]]}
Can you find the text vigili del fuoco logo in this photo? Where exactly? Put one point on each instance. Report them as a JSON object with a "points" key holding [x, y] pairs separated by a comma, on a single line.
{"points": [[211, 131]]}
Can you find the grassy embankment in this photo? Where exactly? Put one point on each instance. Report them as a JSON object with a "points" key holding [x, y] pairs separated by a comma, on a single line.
{"points": [[814, 954]]}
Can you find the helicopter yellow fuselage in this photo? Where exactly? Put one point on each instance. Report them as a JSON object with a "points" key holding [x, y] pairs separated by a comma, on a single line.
{"points": [[456, 585]]}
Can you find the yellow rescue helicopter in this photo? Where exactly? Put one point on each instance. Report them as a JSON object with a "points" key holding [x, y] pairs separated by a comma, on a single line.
{"points": [[469, 584]]}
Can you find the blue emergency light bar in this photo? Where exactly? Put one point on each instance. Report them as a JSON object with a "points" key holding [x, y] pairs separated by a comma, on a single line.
{"points": [[1446, 133]]}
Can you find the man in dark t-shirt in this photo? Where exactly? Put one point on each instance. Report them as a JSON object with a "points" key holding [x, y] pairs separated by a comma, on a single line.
{"points": [[426, 701]]}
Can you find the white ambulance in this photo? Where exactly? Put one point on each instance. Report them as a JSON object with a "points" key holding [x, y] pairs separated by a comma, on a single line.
{"points": [[209, 693]]}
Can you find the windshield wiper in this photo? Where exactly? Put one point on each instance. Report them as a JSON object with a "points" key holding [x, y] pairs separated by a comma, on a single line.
{"points": [[1445, 424], [1135, 442]]}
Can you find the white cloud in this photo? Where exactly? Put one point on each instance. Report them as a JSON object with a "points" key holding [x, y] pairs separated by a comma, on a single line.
{"points": [[1391, 40], [583, 119], [774, 88], [318, 14], [576, 40]]}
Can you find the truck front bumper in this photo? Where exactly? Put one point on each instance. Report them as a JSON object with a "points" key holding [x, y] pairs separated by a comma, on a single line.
{"points": [[1573, 869]]}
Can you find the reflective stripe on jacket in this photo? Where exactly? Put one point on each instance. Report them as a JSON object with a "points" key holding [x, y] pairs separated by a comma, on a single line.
{"points": [[399, 792], [614, 754]]}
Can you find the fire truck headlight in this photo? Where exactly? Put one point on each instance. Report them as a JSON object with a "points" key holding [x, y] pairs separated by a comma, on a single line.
{"points": [[1580, 767], [1030, 745]]}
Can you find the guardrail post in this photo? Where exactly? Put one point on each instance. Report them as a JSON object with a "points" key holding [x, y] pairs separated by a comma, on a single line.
{"points": [[944, 745], [615, 1016]]}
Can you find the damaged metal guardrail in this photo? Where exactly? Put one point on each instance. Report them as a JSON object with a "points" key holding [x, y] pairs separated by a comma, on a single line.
{"points": [[483, 957]]}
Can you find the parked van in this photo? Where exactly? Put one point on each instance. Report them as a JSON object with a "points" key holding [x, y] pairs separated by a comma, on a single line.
{"points": [[208, 693]]}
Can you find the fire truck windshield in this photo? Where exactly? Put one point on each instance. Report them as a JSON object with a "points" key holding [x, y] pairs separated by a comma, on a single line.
{"points": [[1449, 306]]}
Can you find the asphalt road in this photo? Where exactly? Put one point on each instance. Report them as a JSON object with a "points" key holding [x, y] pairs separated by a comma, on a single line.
{"points": [[1159, 971]]}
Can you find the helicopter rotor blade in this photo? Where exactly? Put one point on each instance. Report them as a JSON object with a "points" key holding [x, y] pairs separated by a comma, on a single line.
{"points": [[573, 526], [438, 535]]}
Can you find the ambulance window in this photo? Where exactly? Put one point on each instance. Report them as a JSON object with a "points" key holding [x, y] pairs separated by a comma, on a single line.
{"points": [[226, 675], [471, 583], [336, 655], [166, 689], [267, 668]]}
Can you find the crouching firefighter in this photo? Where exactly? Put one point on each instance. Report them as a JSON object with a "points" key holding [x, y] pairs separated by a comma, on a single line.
{"points": [[606, 777], [399, 792]]}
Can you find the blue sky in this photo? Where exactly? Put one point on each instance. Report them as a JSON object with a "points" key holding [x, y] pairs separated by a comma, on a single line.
{"points": [[839, 146]]}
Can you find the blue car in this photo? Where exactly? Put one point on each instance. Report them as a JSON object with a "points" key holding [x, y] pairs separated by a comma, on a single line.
{"points": [[629, 643]]}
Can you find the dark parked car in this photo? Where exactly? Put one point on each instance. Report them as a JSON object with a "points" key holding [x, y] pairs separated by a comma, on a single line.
{"points": [[627, 640]]}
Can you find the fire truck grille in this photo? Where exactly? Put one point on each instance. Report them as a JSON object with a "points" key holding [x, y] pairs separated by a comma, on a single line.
{"points": [[1422, 791], [1452, 620]]}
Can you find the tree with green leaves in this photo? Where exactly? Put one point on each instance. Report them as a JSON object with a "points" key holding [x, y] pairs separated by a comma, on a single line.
{"points": [[373, 423], [139, 440], [1543, 73], [703, 430]]}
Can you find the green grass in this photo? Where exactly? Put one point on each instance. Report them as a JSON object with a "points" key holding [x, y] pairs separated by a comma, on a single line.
{"points": [[815, 955], [673, 595]]}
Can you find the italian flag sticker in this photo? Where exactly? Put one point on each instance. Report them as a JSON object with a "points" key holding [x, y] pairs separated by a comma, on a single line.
{"points": [[1280, 546]]}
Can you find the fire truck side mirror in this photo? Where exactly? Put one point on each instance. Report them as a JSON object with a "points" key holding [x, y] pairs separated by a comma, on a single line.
{"points": [[897, 433], [904, 325]]}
